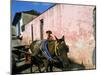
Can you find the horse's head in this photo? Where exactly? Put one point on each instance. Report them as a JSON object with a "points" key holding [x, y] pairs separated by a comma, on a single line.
{"points": [[61, 50]]}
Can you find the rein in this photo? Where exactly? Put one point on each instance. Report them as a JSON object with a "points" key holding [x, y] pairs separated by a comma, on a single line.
{"points": [[56, 52]]}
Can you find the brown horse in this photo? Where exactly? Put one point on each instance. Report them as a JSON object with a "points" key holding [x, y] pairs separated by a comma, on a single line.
{"points": [[57, 49]]}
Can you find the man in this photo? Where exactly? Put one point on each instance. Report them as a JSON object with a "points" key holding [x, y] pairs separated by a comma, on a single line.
{"points": [[45, 45], [49, 37]]}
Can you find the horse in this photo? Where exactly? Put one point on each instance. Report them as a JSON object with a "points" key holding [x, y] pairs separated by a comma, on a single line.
{"points": [[57, 49]]}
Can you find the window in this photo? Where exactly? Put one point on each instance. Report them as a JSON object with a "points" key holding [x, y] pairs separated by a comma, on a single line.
{"points": [[17, 29], [41, 21], [23, 28]]}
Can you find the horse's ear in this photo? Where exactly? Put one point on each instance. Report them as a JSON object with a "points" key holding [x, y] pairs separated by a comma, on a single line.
{"points": [[63, 37], [56, 38]]}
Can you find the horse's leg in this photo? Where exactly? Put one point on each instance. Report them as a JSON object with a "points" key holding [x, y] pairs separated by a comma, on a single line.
{"points": [[51, 66], [39, 68], [46, 65], [31, 65], [38, 63]]}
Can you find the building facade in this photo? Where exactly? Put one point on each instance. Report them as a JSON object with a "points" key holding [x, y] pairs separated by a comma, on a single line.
{"points": [[23, 18], [75, 22]]}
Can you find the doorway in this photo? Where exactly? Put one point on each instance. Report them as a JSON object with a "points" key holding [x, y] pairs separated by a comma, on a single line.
{"points": [[41, 28]]}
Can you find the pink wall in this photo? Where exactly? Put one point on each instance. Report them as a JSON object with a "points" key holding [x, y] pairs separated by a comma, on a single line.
{"points": [[72, 21]]}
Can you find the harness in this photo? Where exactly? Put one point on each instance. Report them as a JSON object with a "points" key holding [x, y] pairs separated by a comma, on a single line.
{"points": [[45, 50]]}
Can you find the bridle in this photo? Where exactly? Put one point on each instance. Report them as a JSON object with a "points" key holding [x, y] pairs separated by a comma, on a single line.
{"points": [[56, 49]]}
